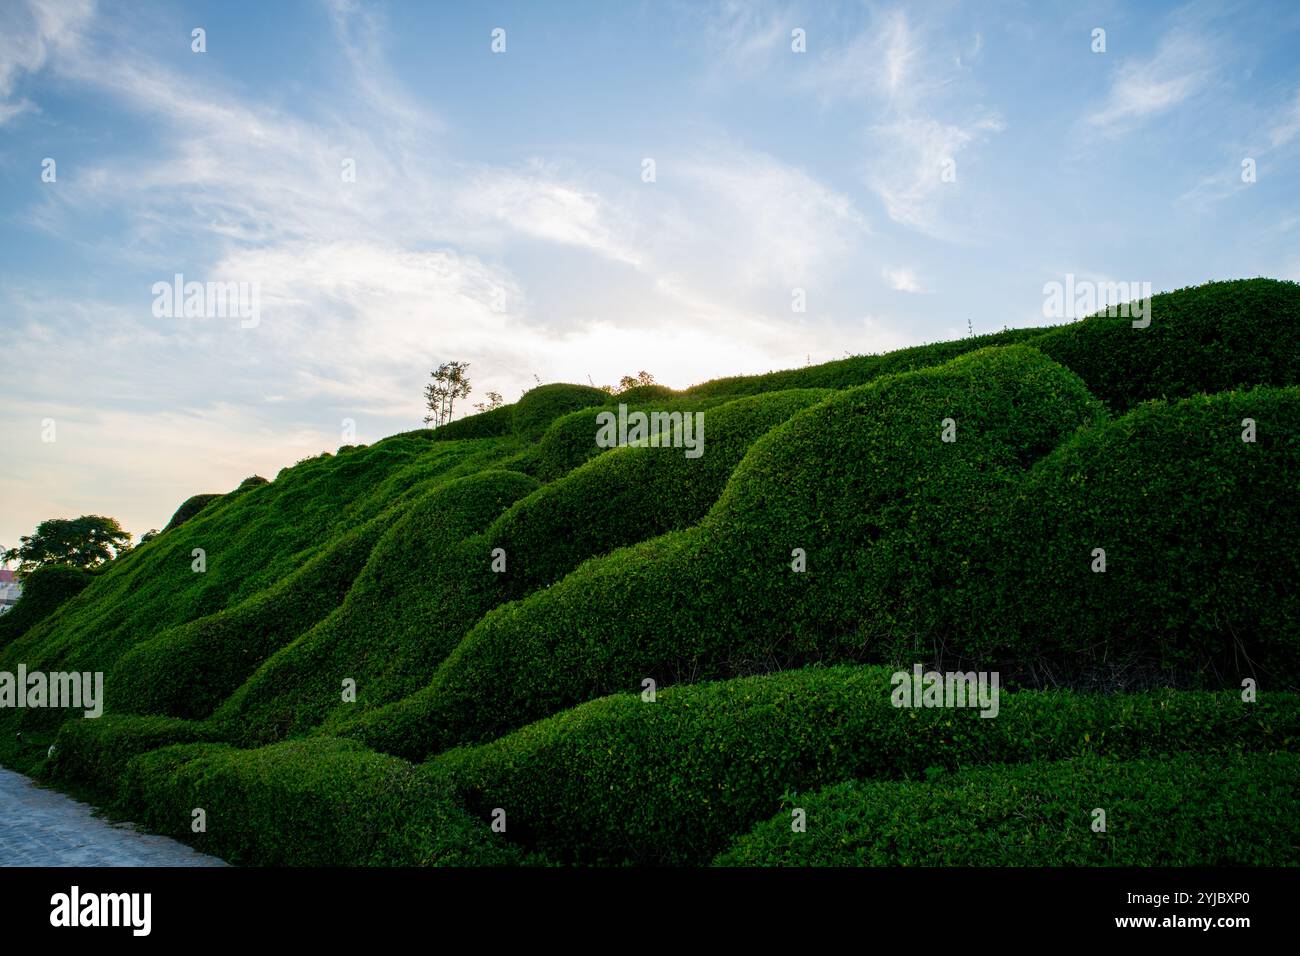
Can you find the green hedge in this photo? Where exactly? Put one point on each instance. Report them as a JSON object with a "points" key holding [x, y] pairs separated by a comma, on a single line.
{"points": [[319, 802], [495, 423], [1201, 558], [192, 506], [44, 591], [721, 598], [1208, 338], [189, 670], [253, 538], [91, 755], [631, 494], [674, 780], [538, 407], [1180, 811], [412, 602]]}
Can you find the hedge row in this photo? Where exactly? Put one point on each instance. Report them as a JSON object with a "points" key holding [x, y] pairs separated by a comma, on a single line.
{"points": [[412, 602], [1208, 338], [44, 590], [1197, 527], [189, 670], [722, 598], [318, 802], [671, 781], [1179, 811], [90, 755]]}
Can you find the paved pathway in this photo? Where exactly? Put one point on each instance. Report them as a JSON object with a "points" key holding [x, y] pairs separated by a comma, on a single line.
{"points": [[45, 828]]}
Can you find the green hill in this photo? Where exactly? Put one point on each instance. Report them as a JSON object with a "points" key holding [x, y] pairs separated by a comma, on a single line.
{"points": [[645, 657]]}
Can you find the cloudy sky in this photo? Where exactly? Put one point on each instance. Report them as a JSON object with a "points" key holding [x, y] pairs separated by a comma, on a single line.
{"points": [[503, 213]]}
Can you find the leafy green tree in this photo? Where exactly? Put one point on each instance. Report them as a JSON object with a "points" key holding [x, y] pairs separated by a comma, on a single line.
{"points": [[84, 542], [450, 382], [494, 401]]}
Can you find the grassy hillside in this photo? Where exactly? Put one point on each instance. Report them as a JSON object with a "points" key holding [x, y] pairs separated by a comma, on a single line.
{"points": [[502, 591]]}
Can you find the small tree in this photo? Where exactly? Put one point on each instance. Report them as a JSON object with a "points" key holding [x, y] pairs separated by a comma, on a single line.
{"points": [[494, 401], [628, 381], [84, 542], [450, 382]]}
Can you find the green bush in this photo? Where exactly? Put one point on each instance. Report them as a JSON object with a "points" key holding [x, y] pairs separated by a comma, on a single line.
{"points": [[540, 406], [192, 506], [253, 537], [44, 590], [721, 599], [412, 602], [674, 780], [189, 670], [495, 423], [631, 494], [318, 802], [1209, 338], [1196, 527], [90, 756], [1180, 811]]}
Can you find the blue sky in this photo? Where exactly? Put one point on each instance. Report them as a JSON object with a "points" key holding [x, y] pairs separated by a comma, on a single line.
{"points": [[500, 215]]}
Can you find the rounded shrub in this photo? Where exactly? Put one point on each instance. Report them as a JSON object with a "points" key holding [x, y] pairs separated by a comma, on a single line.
{"points": [[190, 507], [495, 423], [1207, 338], [1194, 527], [625, 780], [540, 406], [1178, 811], [316, 802]]}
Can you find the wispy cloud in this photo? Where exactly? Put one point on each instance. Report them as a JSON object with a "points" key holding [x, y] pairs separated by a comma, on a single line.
{"points": [[1145, 88], [29, 33]]}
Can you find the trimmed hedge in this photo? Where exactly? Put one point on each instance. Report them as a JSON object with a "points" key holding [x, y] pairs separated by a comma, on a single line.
{"points": [[1198, 529], [540, 406], [44, 590], [721, 599], [253, 539], [496, 423], [1180, 811], [192, 506], [409, 606], [189, 670], [90, 756], [318, 802], [1208, 338], [673, 781], [631, 494]]}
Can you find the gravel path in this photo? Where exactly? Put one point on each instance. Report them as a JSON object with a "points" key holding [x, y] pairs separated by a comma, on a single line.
{"points": [[45, 828]]}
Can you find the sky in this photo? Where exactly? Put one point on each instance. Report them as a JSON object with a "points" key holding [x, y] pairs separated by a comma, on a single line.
{"points": [[615, 187]]}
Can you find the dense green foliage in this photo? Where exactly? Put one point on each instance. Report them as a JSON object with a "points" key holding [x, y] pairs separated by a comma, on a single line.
{"points": [[1187, 811], [673, 780], [320, 802], [44, 589], [488, 583], [189, 508]]}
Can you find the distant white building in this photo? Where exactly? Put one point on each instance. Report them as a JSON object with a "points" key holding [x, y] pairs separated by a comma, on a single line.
{"points": [[10, 589]]}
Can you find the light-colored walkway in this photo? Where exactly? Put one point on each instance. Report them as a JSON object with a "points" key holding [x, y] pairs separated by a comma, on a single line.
{"points": [[41, 827]]}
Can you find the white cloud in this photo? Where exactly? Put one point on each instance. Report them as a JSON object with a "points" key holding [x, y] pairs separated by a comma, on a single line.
{"points": [[1180, 68], [902, 280], [30, 33]]}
